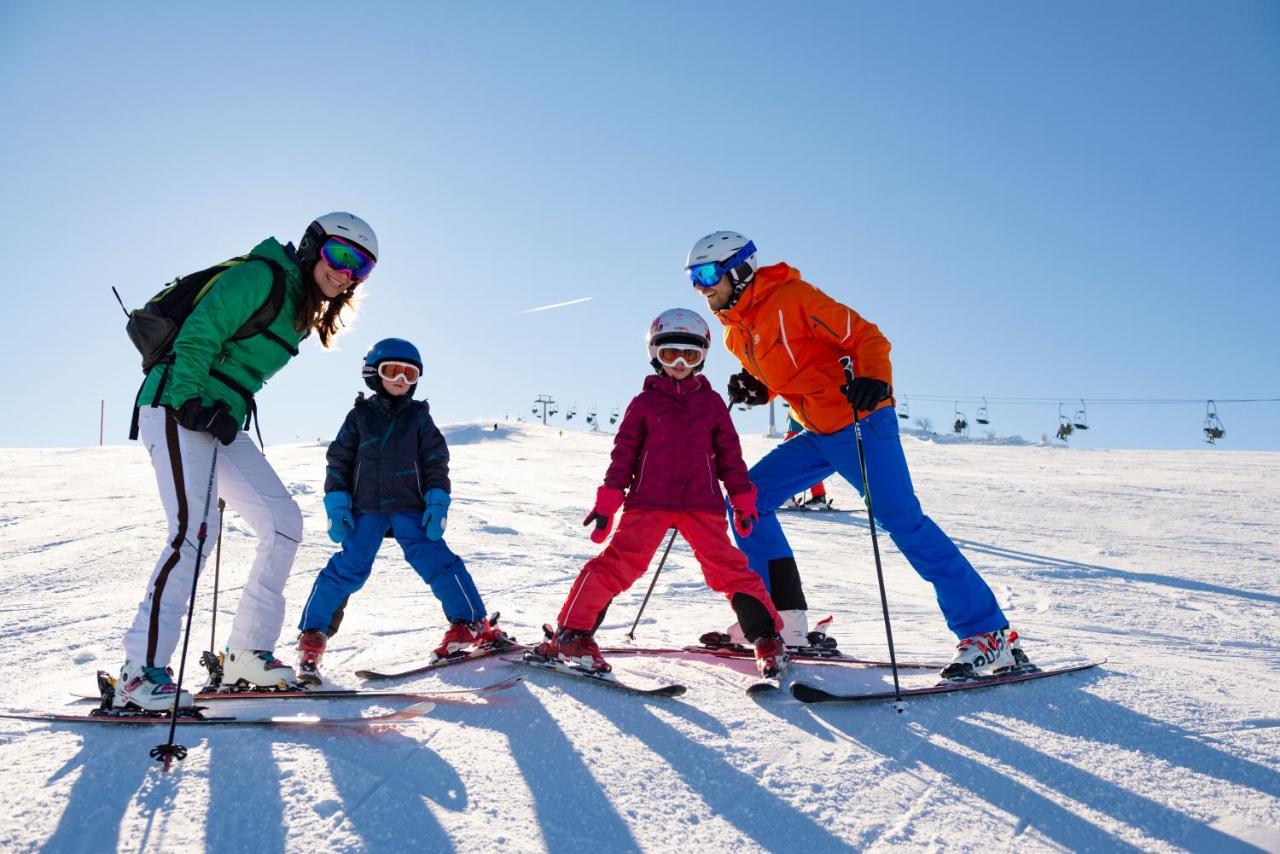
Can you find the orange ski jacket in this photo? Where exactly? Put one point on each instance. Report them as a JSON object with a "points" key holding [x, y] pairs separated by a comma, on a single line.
{"points": [[790, 336]]}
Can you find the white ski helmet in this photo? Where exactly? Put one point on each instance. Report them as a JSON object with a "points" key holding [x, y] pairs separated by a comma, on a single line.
{"points": [[348, 226], [682, 328], [720, 247]]}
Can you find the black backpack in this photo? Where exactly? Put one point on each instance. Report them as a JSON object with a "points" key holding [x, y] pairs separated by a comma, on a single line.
{"points": [[153, 327]]}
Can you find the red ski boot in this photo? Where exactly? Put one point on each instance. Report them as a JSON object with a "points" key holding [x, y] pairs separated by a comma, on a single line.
{"points": [[310, 650], [573, 647], [771, 657]]}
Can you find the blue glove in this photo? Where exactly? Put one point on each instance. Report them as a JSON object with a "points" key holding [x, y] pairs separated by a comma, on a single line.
{"points": [[437, 513], [341, 520]]}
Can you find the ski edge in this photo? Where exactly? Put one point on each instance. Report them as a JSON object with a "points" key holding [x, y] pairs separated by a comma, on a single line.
{"points": [[664, 690], [807, 693]]}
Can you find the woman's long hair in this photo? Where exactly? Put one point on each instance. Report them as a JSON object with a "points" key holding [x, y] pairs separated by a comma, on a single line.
{"points": [[318, 313]]}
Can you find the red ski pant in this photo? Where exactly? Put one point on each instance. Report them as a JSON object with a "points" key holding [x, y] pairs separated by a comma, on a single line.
{"points": [[640, 532]]}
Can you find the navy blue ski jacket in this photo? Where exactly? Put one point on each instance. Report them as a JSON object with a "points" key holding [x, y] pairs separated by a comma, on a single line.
{"points": [[387, 455]]}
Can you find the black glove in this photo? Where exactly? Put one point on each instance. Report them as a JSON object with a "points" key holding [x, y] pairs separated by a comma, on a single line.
{"points": [[215, 420], [864, 393], [744, 388]]}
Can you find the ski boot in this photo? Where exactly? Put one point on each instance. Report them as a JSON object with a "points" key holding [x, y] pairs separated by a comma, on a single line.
{"points": [[460, 636], [255, 670], [489, 635], [817, 502], [573, 647], [771, 656], [817, 640], [150, 689], [310, 650], [986, 654]]}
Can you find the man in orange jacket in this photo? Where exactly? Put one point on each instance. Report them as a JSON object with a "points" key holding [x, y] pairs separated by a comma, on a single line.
{"points": [[789, 337]]}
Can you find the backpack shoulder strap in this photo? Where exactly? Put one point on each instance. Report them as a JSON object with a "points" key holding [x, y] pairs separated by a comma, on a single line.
{"points": [[260, 321]]}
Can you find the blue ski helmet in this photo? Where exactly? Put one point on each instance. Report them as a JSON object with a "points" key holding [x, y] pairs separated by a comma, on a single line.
{"points": [[389, 350]]}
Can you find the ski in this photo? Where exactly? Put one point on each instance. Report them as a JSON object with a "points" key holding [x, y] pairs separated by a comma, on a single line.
{"points": [[663, 690], [806, 693], [125, 718], [469, 655], [804, 508], [807, 655], [446, 695]]}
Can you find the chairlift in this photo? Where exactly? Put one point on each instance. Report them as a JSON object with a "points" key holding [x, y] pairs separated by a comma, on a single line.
{"points": [[1081, 421], [613, 416], [568, 416], [904, 409], [1065, 428], [962, 423], [591, 417], [1213, 429], [982, 417]]}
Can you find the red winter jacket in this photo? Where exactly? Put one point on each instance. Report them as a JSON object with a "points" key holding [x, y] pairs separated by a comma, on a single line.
{"points": [[675, 445]]}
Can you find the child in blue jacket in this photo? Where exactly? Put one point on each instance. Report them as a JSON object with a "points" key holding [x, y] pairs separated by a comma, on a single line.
{"points": [[388, 475]]}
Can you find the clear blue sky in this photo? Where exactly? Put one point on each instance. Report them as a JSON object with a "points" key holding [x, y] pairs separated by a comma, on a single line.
{"points": [[1032, 200]]}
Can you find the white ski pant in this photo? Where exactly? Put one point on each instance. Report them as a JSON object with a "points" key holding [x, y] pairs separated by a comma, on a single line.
{"points": [[182, 460]]}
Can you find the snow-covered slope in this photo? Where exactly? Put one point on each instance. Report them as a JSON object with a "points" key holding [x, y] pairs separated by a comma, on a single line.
{"points": [[1166, 563]]}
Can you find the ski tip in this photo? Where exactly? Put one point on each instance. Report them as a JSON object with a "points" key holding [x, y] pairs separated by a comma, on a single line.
{"points": [[762, 688]]}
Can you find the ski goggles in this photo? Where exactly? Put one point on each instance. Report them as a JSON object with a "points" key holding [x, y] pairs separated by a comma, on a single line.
{"points": [[343, 255], [681, 357], [392, 371], [708, 275]]}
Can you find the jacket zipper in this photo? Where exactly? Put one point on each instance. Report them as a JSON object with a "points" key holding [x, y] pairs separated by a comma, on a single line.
{"points": [[712, 473], [640, 476]]}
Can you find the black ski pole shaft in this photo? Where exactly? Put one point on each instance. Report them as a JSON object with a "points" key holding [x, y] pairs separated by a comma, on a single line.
{"points": [[217, 571], [169, 751], [631, 635], [847, 363]]}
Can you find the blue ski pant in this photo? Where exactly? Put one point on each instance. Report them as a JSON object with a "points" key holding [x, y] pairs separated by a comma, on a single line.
{"points": [[966, 601], [348, 570]]}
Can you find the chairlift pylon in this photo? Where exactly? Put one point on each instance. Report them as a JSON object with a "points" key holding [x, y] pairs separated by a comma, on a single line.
{"points": [[982, 417], [1081, 421], [1213, 429]]}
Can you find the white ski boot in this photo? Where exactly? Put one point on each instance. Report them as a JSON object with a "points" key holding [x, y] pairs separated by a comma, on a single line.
{"points": [[148, 688], [795, 632], [986, 654], [258, 669]]}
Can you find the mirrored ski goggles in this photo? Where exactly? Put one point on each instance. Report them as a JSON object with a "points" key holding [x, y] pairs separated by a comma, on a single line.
{"points": [[681, 357], [342, 255], [709, 274], [392, 371]]}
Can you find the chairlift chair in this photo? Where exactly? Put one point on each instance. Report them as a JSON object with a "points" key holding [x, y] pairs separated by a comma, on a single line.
{"points": [[982, 417], [613, 416], [1213, 429], [1065, 428], [904, 409], [1081, 421], [962, 423]]}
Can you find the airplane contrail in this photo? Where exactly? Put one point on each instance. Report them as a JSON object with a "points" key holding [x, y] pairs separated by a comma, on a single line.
{"points": [[554, 305]]}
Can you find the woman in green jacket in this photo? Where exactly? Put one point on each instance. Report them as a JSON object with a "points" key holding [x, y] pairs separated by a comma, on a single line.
{"points": [[197, 401]]}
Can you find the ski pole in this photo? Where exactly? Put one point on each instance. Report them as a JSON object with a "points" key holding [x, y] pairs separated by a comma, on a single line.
{"points": [[217, 571], [847, 363], [631, 635], [168, 752]]}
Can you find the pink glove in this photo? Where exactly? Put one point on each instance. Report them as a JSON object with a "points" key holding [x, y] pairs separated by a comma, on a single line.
{"points": [[745, 514], [608, 500]]}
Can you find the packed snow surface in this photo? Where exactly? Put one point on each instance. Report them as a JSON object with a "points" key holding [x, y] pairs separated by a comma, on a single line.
{"points": [[1164, 563]]}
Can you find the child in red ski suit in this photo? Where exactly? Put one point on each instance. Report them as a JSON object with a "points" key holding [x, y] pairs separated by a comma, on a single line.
{"points": [[675, 446]]}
